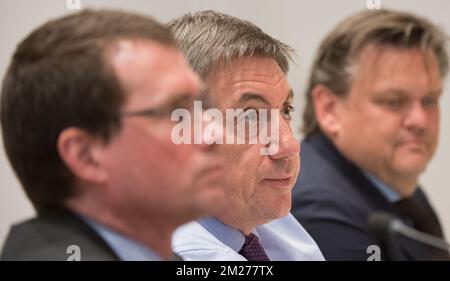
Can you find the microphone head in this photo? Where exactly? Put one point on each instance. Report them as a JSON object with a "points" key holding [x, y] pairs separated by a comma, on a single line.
{"points": [[381, 224]]}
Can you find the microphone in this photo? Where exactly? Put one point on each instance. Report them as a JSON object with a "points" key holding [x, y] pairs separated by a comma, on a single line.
{"points": [[384, 225]]}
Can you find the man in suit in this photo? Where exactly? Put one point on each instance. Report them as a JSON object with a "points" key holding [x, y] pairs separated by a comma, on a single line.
{"points": [[86, 120], [245, 69], [371, 125]]}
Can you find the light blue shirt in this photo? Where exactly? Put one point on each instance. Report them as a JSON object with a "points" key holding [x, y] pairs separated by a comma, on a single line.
{"points": [[388, 192], [125, 248], [211, 240]]}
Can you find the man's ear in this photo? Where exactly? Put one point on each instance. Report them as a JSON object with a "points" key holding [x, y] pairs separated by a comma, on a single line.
{"points": [[326, 106], [81, 152]]}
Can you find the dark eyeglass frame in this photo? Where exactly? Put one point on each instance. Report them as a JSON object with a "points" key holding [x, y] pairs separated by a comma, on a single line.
{"points": [[143, 112], [155, 112]]}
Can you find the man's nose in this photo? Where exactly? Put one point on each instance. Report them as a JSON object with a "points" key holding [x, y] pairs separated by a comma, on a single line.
{"points": [[288, 145], [416, 118]]}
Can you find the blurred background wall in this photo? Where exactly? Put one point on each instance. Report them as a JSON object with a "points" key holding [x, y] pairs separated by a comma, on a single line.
{"points": [[299, 23]]}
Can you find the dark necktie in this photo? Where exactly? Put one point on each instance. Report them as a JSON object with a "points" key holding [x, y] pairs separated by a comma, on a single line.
{"points": [[422, 217], [423, 220], [252, 249]]}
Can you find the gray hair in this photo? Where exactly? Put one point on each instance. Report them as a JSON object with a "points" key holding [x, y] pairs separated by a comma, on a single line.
{"points": [[209, 38], [334, 61]]}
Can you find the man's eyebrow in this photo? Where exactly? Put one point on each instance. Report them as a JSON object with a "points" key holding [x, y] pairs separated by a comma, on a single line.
{"points": [[257, 97], [437, 92], [392, 91], [400, 92], [289, 97], [178, 99], [252, 96]]}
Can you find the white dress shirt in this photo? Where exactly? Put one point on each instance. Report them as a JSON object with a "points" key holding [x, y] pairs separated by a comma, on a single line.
{"points": [[210, 240]]}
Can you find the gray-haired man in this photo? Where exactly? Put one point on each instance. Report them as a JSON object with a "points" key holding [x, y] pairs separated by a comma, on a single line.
{"points": [[244, 68]]}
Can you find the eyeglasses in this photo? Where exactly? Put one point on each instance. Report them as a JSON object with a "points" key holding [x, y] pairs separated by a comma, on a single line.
{"points": [[163, 112], [144, 112]]}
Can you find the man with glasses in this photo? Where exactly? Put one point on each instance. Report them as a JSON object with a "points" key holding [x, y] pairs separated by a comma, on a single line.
{"points": [[86, 120]]}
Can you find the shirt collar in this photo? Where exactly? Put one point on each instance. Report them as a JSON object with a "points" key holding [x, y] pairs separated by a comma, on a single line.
{"points": [[389, 193], [125, 248], [229, 236]]}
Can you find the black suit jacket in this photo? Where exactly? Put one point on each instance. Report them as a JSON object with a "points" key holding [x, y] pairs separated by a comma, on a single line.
{"points": [[48, 236], [332, 199]]}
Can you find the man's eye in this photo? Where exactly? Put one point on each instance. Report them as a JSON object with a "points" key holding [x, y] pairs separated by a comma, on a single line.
{"points": [[287, 111], [429, 101], [392, 104]]}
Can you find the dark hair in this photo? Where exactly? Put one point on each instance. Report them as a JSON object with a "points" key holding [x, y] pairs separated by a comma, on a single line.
{"points": [[59, 77], [334, 61]]}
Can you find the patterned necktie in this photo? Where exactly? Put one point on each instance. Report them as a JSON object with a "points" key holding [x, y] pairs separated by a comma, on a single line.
{"points": [[252, 249]]}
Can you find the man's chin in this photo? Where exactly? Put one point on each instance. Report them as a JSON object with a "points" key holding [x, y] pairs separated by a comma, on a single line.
{"points": [[411, 169], [279, 212]]}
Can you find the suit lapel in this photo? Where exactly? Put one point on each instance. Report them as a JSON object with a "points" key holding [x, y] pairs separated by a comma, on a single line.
{"points": [[410, 250]]}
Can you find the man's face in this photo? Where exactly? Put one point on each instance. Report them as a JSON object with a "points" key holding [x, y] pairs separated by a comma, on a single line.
{"points": [[258, 186], [390, 118], [151, 174]]}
